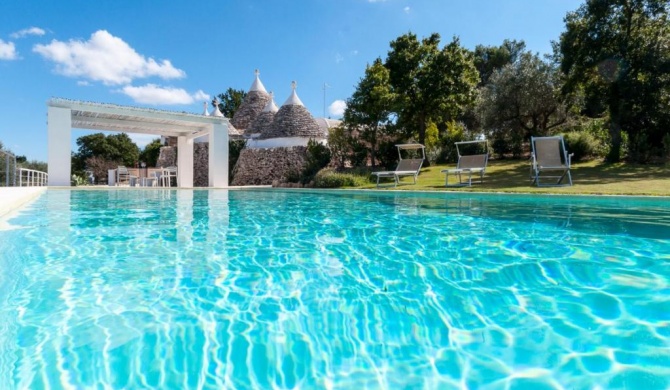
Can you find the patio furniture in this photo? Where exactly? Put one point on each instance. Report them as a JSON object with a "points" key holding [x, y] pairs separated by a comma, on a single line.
{"points": [[406, 166], [550, 156], [166, 176], [469, 163], [122, 174]]}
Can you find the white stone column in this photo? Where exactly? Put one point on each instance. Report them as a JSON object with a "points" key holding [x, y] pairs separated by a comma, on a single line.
{"points": [[218, 155], [59, 129], [184, 162]]}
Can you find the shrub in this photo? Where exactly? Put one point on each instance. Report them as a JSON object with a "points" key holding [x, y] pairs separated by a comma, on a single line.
{"points": [[666, 145], [100, 167], [582, 144], [318, 157], [77, 181], [501, 147], [387, 154], [329, 178], [338, 142], [359, 153]]}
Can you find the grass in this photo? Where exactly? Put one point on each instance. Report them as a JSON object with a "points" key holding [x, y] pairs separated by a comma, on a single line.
{"points": [[590, 177]]}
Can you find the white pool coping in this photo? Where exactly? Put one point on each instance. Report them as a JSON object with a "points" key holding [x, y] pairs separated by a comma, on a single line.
{"points": [[13, 198]]}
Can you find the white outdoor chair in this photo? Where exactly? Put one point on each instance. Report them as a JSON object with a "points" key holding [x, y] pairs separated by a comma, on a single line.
{"points": [[166, 176]]}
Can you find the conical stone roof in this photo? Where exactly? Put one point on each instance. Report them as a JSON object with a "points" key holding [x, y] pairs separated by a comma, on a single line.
{"points": [[252, 105], [293, 120], [264, 120]]}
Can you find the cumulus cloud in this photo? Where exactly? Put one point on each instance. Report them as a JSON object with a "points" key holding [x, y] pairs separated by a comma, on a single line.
{"points": [[8, 51], [338, 58], [104, 58], [28, 31], [406, 9], [337, 107], [157, 95]]}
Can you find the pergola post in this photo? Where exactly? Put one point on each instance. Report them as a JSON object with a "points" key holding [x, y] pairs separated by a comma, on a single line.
{"points": [[184, 162], [218, 155], [59, 128]]}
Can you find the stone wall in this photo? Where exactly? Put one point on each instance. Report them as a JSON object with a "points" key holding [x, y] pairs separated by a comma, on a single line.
{"points": [[167, 157], [264, 166], [201, 164]]}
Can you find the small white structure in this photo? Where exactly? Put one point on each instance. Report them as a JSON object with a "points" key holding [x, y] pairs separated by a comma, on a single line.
{"points": [[65, 114]]}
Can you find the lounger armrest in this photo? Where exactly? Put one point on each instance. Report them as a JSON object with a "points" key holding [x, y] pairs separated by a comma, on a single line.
{"points": [[569, 159]]}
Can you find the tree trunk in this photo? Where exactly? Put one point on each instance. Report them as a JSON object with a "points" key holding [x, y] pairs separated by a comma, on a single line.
{"points": [[614, 154], [422, 136]]}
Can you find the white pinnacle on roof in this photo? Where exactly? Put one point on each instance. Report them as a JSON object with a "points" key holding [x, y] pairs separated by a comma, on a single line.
{"points": [[271, 106], [205, 112], [293, 99], [216, 111], [257, 85]]}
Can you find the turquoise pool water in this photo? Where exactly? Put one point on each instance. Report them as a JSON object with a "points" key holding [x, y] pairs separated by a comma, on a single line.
{"points": [[269, 289]]}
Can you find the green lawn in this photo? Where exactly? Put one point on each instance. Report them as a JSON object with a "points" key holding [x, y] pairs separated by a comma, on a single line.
{"points": [[592, 177]]}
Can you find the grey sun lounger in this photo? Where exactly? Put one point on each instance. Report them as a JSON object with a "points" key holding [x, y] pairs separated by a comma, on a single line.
{"points": [[406, 167], [550, 156], [468, 165]]}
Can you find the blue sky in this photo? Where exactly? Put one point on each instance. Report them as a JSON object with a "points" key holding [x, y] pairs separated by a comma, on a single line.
{"points": [[175, 54]]}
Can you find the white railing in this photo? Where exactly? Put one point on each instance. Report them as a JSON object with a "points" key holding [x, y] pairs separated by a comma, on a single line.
{"points": [[32, 178]]}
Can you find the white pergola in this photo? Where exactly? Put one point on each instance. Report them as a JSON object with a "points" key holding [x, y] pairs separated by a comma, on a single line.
{"points": [[65, 114]]}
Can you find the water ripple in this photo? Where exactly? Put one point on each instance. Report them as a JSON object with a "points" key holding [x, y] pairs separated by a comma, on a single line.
{"points": [[271, 289]]}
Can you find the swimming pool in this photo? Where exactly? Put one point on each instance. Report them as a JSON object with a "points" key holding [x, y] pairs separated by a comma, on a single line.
{"points": [[263, 289]]}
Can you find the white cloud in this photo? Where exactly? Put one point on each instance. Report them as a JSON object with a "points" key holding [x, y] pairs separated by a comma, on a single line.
{"points": [[8, 51], [354, 52], [406, 9], [83, 83], [157, 95], [28, 31], [105, 58], [338, 58], [337, 107]]}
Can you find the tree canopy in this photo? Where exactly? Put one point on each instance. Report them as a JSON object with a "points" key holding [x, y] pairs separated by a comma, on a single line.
{"points": [[431, 84], [522, 99], [150, 153], [114, 147], [617, 53], [229, 101], [488, 59], [370, 107]]}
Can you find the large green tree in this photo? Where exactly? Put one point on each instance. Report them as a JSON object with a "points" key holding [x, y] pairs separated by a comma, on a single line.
{"points": [[432, 84], [229, 101], [151, 152], [115, 147], [618, 52], [488, 59], [369, 110], [522, 99]]}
